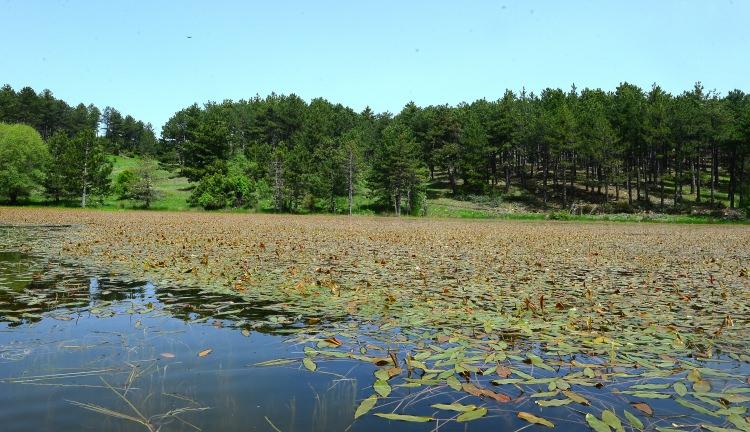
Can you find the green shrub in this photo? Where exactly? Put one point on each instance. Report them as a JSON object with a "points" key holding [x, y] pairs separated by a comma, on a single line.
{"points": [[220, 190], [559, 215], [123, 183]]}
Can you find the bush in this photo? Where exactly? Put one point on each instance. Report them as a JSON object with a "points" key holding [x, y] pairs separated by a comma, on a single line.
{"points": [[123, 183], [213, 192], [219, 190], [559, 215]]}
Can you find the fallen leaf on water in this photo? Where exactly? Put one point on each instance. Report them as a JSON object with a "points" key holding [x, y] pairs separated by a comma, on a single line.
{"points": [[500, 397], [455, 407], [333, 341], [634, 421], [472, 415], [504, 372], [701, 386], [643, 407], [553, 402], [382, 388], [596, 424], [365, 406], [650, 395], [471, 389], [575, 397], [695, 407], [393, 372], [531, 418], [402, 417], [309, 364], [611, 419], [453, 383]]}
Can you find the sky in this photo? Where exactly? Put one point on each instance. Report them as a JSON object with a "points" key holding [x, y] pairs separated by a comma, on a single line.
{"points": [[153, 58]]}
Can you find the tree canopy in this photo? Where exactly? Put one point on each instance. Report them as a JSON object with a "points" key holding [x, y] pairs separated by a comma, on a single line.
{"points": [[23, 159], [622, 149]]}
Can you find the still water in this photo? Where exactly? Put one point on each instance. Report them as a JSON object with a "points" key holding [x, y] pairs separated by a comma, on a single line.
{"points": [[83, 350]]}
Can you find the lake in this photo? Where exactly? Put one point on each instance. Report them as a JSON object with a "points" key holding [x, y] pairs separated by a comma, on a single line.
{"points": [[83, 348]]}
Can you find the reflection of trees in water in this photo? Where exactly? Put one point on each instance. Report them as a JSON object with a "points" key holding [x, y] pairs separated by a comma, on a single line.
{"points": [[30, 287], [33, 285], [25, 300]]}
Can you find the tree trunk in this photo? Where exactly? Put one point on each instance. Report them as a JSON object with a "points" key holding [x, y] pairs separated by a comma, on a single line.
{"points": [[350, 180], [544, 180], [661, 185], [408, 201], [493, 168], [646, 180], [83, 195], [573, 176], [714, 171], [732, 174], [452, 179], [697, 179], [630, 187], [677, 186], [85, 175], [507, 177], [565, 188], [332, 195], [398, 202], [743, 187], [617, 190], [638, 180], [692, 181], [555, 173], [606, 189], [278, 195]]}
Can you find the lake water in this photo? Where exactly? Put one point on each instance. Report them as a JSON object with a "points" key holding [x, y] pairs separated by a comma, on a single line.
{"points": [[92, 351]]}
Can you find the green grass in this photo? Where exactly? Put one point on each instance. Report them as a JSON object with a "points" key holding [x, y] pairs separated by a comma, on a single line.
{"points": [[174, 190], [450, 208]]}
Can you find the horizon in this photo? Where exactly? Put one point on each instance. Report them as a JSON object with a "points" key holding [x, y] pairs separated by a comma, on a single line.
{"points": [[362, 55]]}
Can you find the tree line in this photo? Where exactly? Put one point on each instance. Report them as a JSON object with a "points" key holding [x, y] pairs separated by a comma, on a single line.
{"points": [[649, 147], [624, 149], [44, 142], [49, 115]]}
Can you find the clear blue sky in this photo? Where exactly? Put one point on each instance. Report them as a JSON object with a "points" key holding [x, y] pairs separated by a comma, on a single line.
{"points": [[137, 57]]}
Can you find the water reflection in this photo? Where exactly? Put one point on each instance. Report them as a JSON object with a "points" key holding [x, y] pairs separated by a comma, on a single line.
{"points": [[96, 352], [83, 351]]}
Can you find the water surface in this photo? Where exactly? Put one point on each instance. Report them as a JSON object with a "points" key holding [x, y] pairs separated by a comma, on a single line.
{"points": [[85, 350]]}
